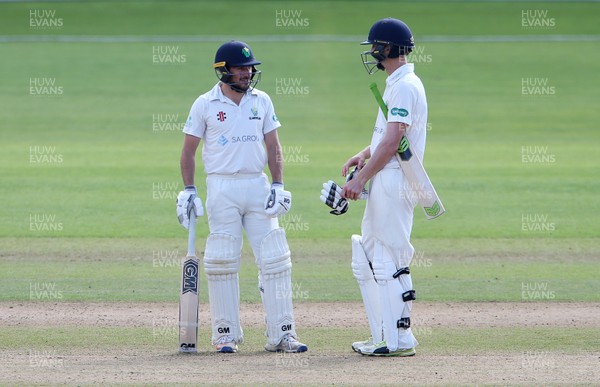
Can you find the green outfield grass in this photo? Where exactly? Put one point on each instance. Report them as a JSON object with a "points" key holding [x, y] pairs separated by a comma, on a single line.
{"points": [[434, 341], [324, 17], [148, 270], [89, 175], [89, 172]]}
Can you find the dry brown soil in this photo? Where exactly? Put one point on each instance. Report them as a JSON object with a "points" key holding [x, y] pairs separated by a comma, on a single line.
{"points": [[316, 367]]}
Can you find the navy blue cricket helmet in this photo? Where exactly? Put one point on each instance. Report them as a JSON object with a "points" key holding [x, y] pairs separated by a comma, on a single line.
{"points": [[235, 54], [387, 32]]}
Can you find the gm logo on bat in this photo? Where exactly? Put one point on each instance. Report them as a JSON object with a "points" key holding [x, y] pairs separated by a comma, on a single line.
{"points": [[190, 277]]}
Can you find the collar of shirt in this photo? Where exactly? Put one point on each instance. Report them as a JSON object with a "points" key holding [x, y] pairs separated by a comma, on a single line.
{"points": [[217, 94], [400, 73]]}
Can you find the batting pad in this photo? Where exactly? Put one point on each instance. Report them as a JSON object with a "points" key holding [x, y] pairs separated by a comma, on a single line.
{"points": [[368, 287], [393, 306], [221, 265], [275, 277]]}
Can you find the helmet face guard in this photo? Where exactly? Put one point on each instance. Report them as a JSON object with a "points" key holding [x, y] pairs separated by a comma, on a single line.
{"points": [[386, 33], [224, 75], [377, 53], [235, 54]]}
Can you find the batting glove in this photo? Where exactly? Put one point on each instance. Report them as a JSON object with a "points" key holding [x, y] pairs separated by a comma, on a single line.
{"points": [[279, 201], [331, 195], [364, 194], [188, 200]]}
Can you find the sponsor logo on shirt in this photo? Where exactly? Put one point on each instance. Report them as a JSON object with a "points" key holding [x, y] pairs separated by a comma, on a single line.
{"points": [[399, 112], [250, 138], [222, 140], [221, 116]]}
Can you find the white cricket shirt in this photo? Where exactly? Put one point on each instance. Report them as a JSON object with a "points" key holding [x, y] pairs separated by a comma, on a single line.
{"points": [[233, 134], [405, 98]]}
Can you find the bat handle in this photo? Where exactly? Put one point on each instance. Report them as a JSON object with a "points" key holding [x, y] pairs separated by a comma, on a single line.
{"points": [[192, 234], [379, 99]]}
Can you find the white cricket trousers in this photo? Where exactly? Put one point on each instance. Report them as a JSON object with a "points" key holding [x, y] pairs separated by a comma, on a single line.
{"points": [[388, 218], [236, 202]]}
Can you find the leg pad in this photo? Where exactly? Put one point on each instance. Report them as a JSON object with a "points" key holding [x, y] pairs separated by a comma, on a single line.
{"points": [[222, 264], [275, 280]]}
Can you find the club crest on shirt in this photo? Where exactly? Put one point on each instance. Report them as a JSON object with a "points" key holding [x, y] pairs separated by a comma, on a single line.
{"points": [[254, 116]]}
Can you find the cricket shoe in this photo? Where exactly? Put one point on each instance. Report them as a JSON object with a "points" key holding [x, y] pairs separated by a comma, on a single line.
{"points": [[381, 349], [288, 344], [225, 344], [357, 345]]}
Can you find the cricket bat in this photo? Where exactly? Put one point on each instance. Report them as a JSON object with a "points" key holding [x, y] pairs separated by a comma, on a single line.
{"points": [[413, 169], [188, 298]]}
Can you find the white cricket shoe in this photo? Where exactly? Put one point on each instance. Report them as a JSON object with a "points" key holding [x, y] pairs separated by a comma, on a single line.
{"points": [[287, 344], [226, 344], [381, 349], [357, 345]]}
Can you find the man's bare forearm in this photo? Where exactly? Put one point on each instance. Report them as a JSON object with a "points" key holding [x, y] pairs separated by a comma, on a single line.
{"points": [[188, 159], [188, 168], [274, 156]]}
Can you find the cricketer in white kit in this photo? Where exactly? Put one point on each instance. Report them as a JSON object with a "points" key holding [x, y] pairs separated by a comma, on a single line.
{"points": [[239, 127], [381, 257]]}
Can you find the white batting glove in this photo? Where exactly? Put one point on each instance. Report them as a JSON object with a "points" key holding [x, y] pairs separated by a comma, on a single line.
{"points": [[364, 194], [188, 200], [331, 194], [279, 201]]}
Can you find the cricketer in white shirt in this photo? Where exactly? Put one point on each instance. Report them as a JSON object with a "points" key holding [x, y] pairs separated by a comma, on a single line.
{"points": [[381, 256], [233, 134], [238, 126]]}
